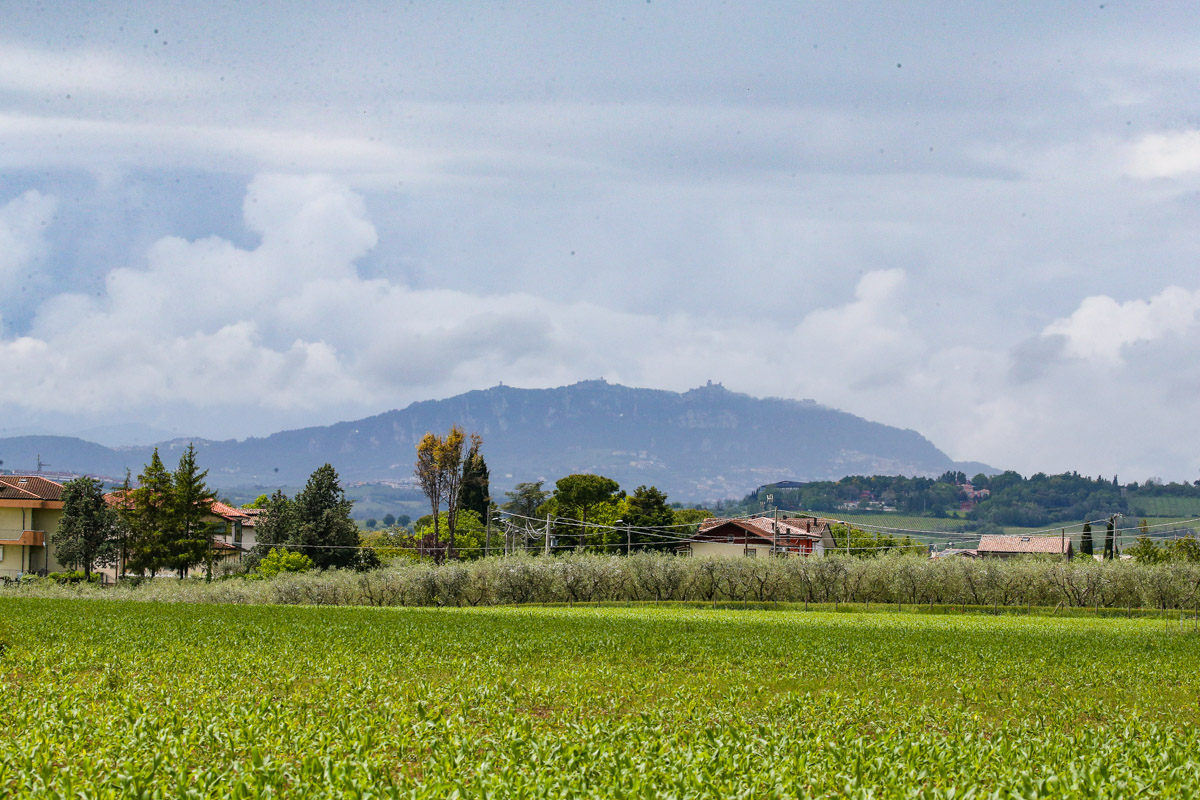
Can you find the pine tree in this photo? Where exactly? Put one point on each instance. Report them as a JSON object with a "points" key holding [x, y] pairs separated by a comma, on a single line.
{"points": [[150, 519], [275, 528], [325, 531], [190, 541], [1109, 539], [1085, 540]]}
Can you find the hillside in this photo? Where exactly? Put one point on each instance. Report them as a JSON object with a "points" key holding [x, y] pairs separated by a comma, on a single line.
{"points": [[698, 445]]}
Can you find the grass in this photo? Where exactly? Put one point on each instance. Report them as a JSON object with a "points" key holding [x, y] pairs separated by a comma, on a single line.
{"points": [[112, 699]]}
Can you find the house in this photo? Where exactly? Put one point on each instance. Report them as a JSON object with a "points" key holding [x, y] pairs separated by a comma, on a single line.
{"points": [[30, 508], [234, 528], [761, 537], [955, 552], [999, 546]]}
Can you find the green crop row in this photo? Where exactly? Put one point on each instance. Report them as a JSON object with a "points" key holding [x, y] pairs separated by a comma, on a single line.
{"points": [[112, 699]]}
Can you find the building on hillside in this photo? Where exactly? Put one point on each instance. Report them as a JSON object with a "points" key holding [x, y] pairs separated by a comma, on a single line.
{"points": [[761, 537], [1004, 546], [30, 508]]}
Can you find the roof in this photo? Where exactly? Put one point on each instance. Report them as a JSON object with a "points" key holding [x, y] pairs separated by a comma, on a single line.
{"points": [[229, 512], [795, 525], [955, 551], [791, 531], [995, 543], [29, 487]]}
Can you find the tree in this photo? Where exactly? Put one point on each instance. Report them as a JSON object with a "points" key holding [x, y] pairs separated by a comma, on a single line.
{"points": [[190, 535], [276, 526], [150, 518], [1109, 539], [1085, 540], [439, 471], [647, 508], [388, 520], [1144, 550], [525, 499], [324, 527], [259, 502], [87, 532], [474, 493], [371, 523], [582, 494]]}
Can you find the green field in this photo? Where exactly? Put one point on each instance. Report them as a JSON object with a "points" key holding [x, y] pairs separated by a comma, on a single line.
{"points": [[1178, 507], [115, 699]]}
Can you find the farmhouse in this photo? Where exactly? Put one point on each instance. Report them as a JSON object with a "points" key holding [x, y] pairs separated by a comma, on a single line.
{"points": [[234, 529], [997, 546], [30, 507], [761, 537]]}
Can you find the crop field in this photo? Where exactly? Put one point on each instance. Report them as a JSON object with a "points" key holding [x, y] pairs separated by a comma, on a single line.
{"points": [[1177, 507], [117, 699]]}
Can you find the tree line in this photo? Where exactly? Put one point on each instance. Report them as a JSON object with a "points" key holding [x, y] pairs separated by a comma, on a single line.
{"points": [[985, 502], [159, 524]]}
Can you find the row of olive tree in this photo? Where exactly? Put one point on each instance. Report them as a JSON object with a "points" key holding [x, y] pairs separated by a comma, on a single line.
{"points": [[581, 578]]}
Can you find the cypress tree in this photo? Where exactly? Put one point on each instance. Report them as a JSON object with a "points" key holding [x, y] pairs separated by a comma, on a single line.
{"points": [[1109, 539], [473, 493], [1085, 541]]}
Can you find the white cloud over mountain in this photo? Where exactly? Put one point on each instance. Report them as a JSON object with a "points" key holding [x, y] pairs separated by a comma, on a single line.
{"points": [[235, 222]]}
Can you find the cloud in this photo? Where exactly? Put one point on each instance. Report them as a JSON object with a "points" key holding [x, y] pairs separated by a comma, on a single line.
{"points": [[1166, 155], [23, 224], [1101, 327], [288, 330], [36, 71]]}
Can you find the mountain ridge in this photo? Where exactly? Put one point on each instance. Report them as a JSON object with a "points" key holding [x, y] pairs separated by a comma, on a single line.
{"points": [[705, 443]]}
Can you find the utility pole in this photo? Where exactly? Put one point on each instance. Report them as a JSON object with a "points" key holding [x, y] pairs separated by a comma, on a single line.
{"points": [[487, 542], [547, 551]]}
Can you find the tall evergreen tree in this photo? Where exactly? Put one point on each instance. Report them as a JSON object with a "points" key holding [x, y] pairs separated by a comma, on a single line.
{"points": [[87, 532], [1109, 540], [190, 540], [324, 529], [474, 493], [1085, 539], [150, 519], [275, 528]]}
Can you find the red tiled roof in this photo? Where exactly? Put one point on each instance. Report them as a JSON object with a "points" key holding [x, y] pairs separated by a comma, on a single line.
{"points": [[791, 532], [799, 526], [29, 487], [229, 512], [996, 543]]}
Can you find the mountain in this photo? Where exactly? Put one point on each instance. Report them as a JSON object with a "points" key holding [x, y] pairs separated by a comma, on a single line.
{"points": [[703, 444]]}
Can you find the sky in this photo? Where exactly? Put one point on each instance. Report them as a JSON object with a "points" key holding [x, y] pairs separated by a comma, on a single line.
{"points": [[978, 221]]}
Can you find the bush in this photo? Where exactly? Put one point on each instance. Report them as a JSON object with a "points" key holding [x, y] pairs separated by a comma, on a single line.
{"points": [[281, 560]]}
